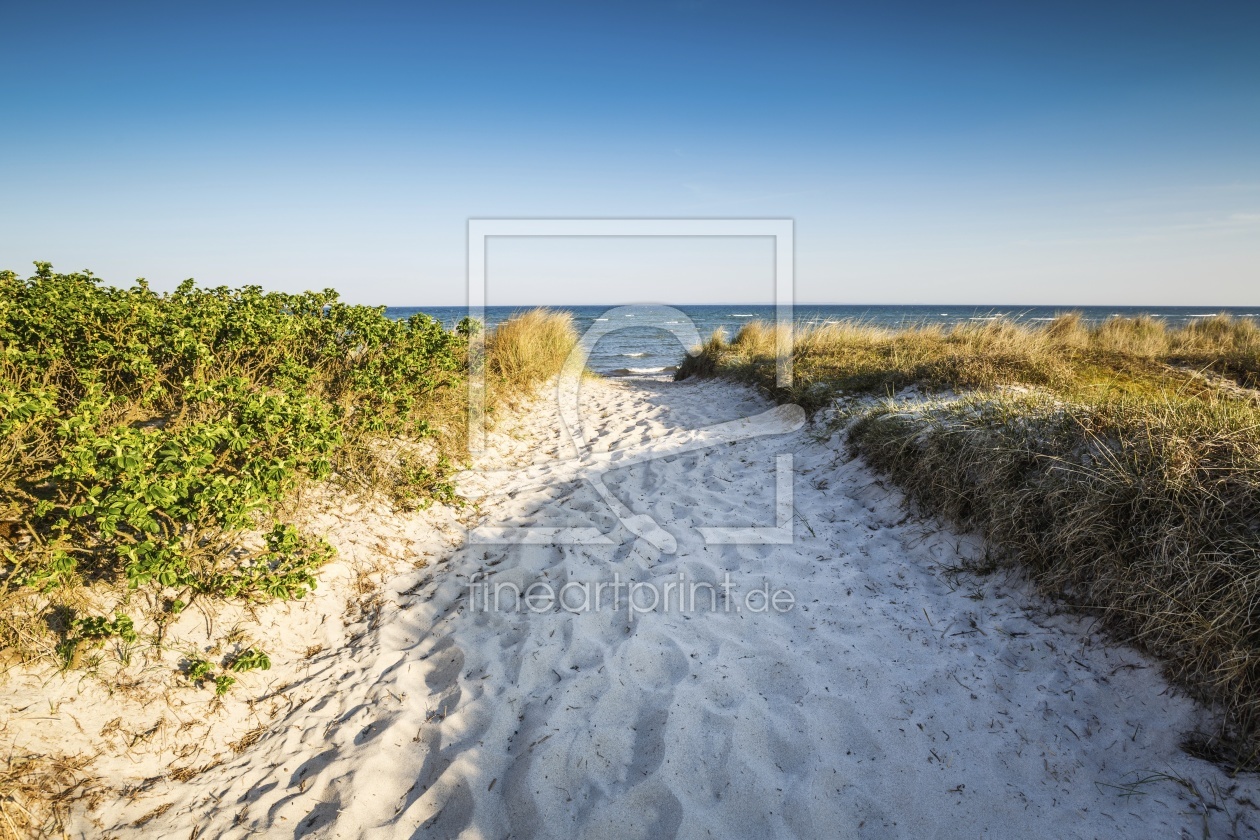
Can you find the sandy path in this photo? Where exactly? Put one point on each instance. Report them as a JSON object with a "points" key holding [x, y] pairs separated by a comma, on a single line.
{"points": [[888, 703]]}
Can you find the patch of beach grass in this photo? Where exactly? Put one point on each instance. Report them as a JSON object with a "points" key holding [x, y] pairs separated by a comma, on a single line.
{"points": [[1145, 512], [1118, 462], [1133, 355], [528, 348]]}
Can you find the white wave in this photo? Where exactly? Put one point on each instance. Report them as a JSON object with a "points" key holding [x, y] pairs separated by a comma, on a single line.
{"points": [[639, 371], [634, 355], [601, 319], [740, 315]]}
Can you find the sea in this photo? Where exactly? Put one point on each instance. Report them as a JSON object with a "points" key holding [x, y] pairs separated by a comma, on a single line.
{"points": [[644, 340]]}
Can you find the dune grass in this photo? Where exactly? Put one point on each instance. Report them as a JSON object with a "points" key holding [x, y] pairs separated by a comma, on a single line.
{"points": [[1097, 457], [527, 348], [1146, 512], [1066, 355]]}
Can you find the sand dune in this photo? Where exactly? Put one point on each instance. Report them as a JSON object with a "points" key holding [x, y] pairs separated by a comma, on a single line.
{"points": [[892, 700]]}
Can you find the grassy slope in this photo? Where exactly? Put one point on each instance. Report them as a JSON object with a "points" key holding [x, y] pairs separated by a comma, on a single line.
{"points": [[1125, 483]]}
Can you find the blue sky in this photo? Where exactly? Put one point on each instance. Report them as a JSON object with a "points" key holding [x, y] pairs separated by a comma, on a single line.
{"points": [[1060, 153]]}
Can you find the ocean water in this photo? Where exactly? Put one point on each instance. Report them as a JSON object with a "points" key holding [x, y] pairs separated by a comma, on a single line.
{"points": [[644, 343]]}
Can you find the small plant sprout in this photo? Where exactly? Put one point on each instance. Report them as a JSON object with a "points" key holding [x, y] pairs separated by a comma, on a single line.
{"points": [[198, 669], [250, 659]]}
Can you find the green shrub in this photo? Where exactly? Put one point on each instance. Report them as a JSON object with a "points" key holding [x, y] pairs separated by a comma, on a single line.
{"points": [[144, 437]]}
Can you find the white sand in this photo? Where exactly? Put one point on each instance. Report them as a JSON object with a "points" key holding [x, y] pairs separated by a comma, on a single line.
{"points": [[894, 700]]}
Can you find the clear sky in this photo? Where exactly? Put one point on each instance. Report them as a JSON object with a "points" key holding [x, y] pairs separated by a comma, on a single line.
{"points": [[1005, 153]]}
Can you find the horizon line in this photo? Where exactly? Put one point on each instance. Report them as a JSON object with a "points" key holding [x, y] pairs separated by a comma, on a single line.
{"points": [[797, 304]]}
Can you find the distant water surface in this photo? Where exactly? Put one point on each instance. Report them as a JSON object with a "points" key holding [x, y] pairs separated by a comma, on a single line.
{"points": [[645, 347]]}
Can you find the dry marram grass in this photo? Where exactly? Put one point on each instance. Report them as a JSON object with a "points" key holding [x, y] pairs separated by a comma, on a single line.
{"points": [[1130, 354], [1125, 479], [528, 348], [35, 792]]}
